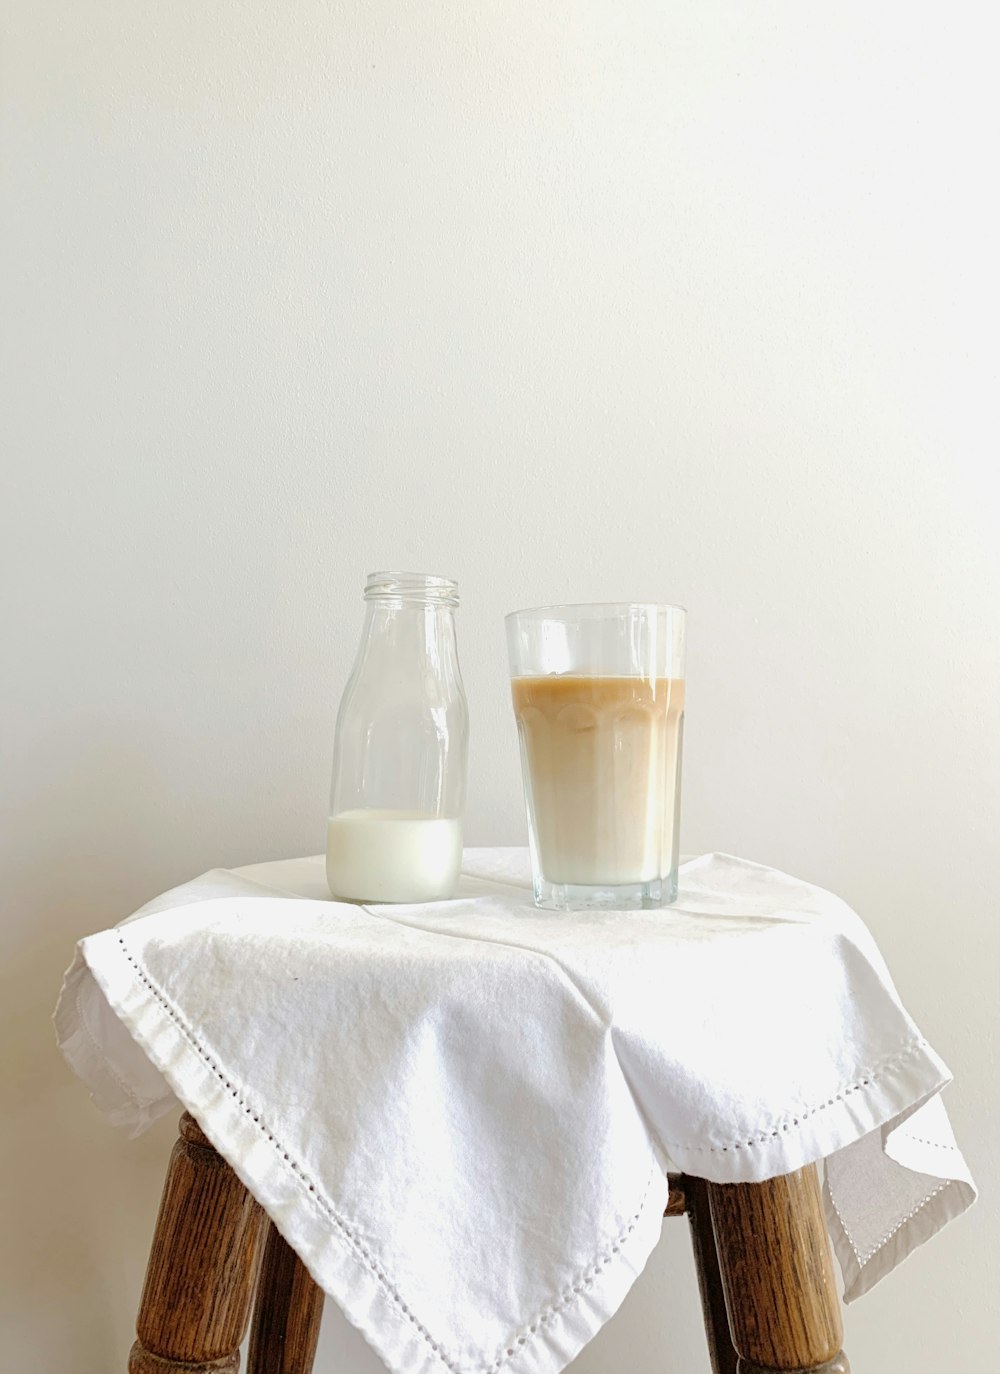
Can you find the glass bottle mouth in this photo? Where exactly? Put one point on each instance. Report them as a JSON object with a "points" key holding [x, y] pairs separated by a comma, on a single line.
{"points": [[412, 588]]}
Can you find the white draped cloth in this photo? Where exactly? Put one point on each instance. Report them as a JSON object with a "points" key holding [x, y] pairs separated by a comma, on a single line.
{"points": [[460, 1114]]}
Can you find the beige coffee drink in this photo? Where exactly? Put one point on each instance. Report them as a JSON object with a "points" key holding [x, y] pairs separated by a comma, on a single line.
{"points": [[598, 694], [601, 761]]}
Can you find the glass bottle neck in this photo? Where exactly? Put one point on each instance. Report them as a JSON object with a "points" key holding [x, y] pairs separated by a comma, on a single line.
{"points": [[409, 634]]}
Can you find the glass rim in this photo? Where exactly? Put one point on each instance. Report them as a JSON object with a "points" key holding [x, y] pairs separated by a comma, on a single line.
{"points": [[604, 609]]}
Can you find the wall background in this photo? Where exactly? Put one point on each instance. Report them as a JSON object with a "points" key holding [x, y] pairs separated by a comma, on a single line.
{"points": [[574, 301]]}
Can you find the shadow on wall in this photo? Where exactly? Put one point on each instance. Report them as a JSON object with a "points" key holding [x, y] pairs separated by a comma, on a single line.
{"points": [[86, 843], [94, 834]]}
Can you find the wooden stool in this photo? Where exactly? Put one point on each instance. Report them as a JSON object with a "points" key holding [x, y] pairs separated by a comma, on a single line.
{"points": [[761, 1249]]}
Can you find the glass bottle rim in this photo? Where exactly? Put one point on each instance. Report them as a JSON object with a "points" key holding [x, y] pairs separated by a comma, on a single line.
{"points": [[427, 588]]}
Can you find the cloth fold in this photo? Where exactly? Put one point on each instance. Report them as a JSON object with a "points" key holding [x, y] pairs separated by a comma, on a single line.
{"points": [[460, 1113]]}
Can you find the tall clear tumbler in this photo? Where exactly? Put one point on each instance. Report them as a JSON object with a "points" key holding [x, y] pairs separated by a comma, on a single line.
{"points": [[599, 700]]}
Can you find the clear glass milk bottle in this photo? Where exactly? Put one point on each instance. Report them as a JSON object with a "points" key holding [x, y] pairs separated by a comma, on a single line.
{"points": [[399, 763]]}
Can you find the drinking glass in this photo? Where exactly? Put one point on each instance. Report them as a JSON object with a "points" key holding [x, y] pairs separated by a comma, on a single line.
{"points": [[598, 695]]}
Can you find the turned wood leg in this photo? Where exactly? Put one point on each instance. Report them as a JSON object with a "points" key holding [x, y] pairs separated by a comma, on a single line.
{"points": [[713, 1299], [777, 1273], [202, 1268], [287, 1315]]}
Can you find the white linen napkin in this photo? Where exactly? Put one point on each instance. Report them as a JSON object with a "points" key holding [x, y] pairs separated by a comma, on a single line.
{"points": [[460, 1113]]}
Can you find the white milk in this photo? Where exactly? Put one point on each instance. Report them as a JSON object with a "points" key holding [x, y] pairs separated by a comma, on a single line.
{"points": [[393, 856]]}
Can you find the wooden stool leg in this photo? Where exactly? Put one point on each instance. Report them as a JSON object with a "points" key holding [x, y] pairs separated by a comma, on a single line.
{"points": [[202, 1268], [777, 1272], [713, 1300], [287, 1316]]}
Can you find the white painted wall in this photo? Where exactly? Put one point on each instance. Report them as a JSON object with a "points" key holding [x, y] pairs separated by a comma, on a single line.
{"points": [[577, 300]]}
